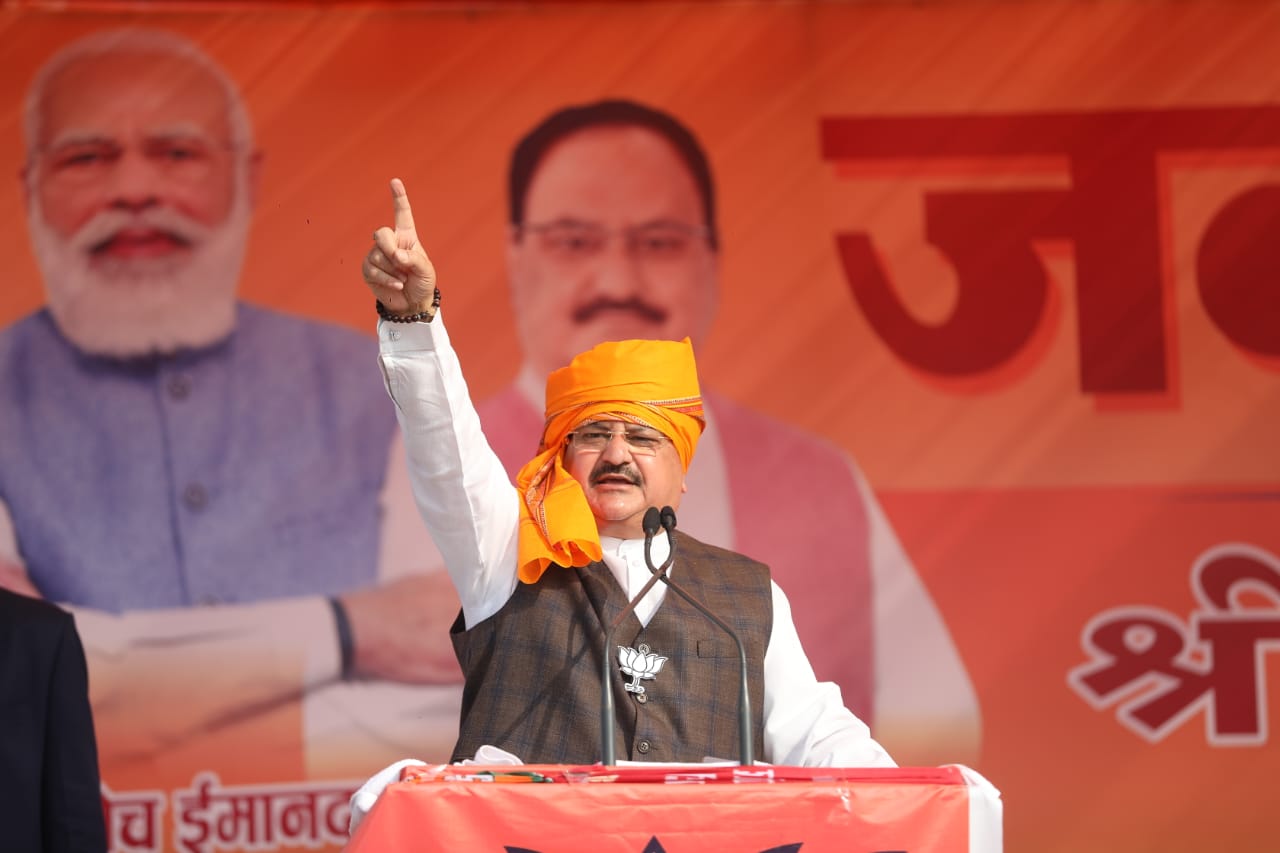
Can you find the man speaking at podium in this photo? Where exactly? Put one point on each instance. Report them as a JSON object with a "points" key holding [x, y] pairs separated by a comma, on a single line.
{"points": [[543, 569]]}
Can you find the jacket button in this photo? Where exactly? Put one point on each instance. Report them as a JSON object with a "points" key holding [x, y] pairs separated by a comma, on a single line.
{"points": [[641, 698], [643, 747]]}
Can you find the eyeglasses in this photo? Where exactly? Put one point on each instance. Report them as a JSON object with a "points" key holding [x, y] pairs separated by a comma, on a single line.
{"points": [[571, 241], [184, 159], [639, 442]]}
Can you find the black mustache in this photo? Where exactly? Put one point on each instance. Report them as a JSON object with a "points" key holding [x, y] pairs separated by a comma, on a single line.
{"points": [[609, 469], [592, 309]]}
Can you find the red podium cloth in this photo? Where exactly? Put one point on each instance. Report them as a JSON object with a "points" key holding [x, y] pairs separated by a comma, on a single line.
{"points": [[629, 810]]}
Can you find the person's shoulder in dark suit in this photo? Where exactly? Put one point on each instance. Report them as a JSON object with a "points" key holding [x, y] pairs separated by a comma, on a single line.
{"points": [[50, 798]]}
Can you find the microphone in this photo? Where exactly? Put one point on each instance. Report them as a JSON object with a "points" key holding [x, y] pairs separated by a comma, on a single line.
{"points": [[667, 518], [651, 522], [652, 519]]}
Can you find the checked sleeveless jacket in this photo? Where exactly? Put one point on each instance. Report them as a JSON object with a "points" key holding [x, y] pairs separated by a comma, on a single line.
{"points": [[533, 669]]}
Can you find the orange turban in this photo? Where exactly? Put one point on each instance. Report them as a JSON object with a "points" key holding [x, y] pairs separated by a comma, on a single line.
{"points": [[654, 383]]}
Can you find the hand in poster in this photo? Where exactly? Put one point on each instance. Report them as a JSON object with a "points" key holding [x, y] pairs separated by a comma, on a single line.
{"points": [[396, 627]]}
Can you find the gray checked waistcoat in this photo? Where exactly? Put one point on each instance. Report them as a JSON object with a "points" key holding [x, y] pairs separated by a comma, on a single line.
{"points": [[533, 668]]}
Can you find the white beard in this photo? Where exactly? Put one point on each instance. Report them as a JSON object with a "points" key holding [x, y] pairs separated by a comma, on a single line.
{"points": [[142, 306]]}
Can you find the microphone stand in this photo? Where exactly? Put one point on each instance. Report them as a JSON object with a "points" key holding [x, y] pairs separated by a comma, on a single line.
{"points": [[651, 522], [668, 520]]}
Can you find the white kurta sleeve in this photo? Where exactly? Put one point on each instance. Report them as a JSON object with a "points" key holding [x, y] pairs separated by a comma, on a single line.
{"points": [[805, 721], [463, 494]]}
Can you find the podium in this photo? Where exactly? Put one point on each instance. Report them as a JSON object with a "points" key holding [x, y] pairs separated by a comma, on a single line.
{"points": [[684, 809]]}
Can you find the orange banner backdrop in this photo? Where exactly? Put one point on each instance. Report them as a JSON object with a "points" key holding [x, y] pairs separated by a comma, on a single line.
{"points": [[1018, 260]]}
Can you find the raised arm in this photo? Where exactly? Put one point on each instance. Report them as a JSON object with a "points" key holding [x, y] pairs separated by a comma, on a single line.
{"points": [[462, 491]]}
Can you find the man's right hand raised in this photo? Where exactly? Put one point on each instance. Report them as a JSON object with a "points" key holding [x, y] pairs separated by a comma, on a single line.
{"points": [[397, 268]]}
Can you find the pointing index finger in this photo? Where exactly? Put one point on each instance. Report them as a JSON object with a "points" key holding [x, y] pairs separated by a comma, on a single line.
{"points": [[400, 204]]}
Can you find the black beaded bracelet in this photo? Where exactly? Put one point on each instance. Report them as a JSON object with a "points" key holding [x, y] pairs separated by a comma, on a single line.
{"points": [[346, 640], [420, 317]]}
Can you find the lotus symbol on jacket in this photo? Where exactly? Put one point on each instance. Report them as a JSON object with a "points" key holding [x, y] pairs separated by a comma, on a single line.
{"points": [[639, 664]]}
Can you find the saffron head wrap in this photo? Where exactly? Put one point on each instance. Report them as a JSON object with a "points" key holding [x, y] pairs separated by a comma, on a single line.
{"points": [[654, 383]]}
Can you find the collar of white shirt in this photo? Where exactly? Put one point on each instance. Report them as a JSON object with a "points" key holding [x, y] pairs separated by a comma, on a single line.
{"points": [[625, 558]]}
